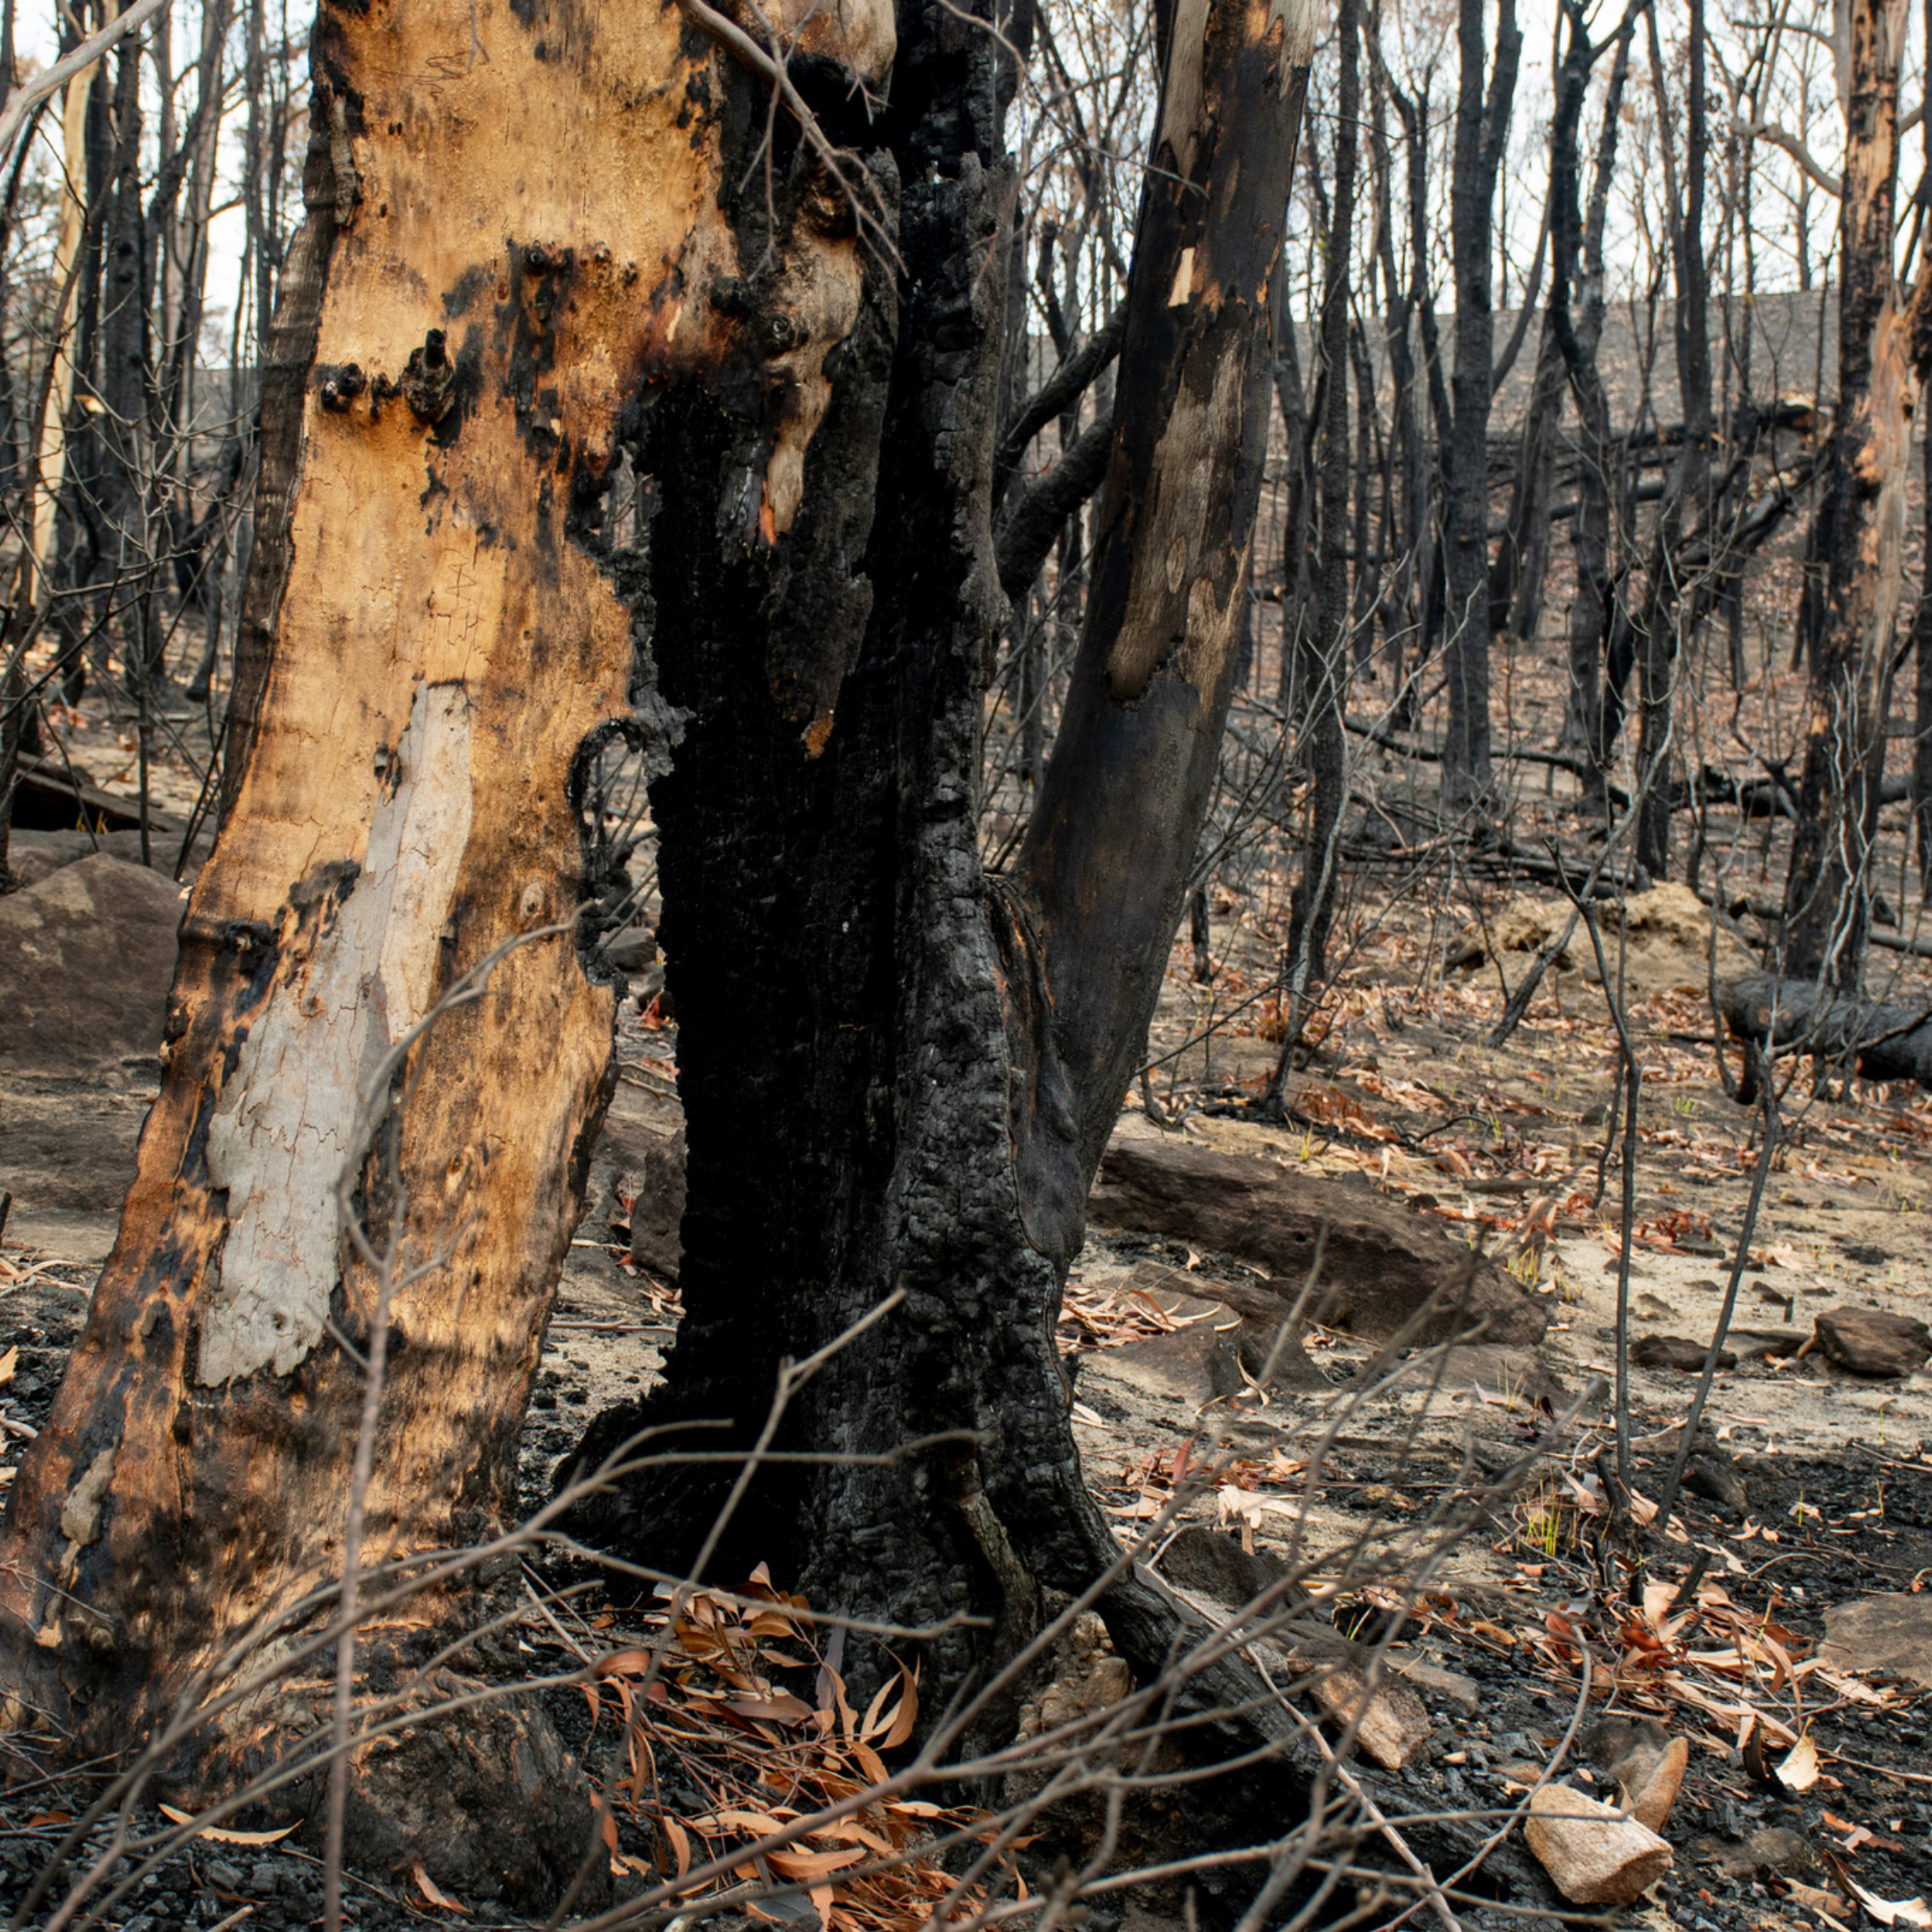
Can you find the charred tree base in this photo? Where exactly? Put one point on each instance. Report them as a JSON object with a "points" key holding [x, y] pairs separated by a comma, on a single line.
{"points": [[485, 1798]]}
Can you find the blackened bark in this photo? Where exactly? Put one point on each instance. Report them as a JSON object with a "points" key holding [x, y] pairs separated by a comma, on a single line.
{"points": [[1412, 544], [122, 501], [1576, 319], [1107, 858], [329, 198], [1921, 762], [1667, 610], [1522, 556], [1033, 525], [925, 1105], [1290, 394], [1481, 131], [1060, 392]]}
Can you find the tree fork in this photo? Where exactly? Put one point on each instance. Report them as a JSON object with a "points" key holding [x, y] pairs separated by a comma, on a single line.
{"points": [[924, 1107]]}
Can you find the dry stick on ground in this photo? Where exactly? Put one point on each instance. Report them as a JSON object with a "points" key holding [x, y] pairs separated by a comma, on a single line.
{"points": [[1633, 1082], [1766, 1154], [1518, 1003]]}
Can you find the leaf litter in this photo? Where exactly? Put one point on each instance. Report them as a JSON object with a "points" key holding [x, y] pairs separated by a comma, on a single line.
{"points": [[726, 1765]]}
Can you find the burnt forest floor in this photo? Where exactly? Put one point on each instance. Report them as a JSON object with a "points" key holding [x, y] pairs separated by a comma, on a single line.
{"points": [[1814, 1485]]}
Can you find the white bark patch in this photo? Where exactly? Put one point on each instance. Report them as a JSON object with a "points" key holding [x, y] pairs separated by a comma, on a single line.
{"points": [[286, 1122], [1299, 19], [1183, 112]]}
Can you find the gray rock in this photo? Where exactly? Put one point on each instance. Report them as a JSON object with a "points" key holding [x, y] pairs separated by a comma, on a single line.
{"points": [[1264, 1316], [33, 856], [1869, 1342], [1212, 1564], [70, 1156], [1771, 1849], [631, 949], [1678, 1352], [1193, 1367], [658, 1211], [87, 958], [1386, 1270], [1712, 1474], [1884, 1635], [1441, 1689]]}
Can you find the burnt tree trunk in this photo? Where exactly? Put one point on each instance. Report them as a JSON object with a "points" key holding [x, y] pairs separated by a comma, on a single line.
{"points": [[1326, 656], [1576, 312], [1858, 540], [1922, 767], [923, 1108], [438, 643], [1669, 607], [1481, 130], [1522, 557], [898, 1075]]}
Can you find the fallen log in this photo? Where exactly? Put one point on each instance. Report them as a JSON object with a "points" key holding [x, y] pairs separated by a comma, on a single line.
{"points": [[1384, 1264], [1884, 1040], [49, 797]]}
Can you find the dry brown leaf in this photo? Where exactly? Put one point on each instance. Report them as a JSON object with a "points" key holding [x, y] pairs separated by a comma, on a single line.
{"points": [[1891, 1912], [214, 1835], [1798, 1769], [907, 1715], [780, 1704], [796, 1864], [680, 1841], [732, 1820], [434, 1893], [623, 1663]]}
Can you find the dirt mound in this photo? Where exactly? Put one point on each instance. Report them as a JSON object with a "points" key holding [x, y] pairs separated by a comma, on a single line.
{"points": [[1665, 934]]}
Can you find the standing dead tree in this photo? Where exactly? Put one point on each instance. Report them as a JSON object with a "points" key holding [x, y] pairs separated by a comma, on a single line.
{"points": [[1482, 133], [1884, 348]]}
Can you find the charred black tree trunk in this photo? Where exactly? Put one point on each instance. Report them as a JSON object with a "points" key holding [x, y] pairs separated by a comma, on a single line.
{"points": [[1290, 394], [1576, 319], [1922, 767], [1406, 504], [1481, 130], [1522, 557], [1326, 644], [899, 1074], [1668, 610]]}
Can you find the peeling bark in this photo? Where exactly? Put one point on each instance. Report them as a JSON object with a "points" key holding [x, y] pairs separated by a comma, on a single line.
{"points": [[512, 242]]}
